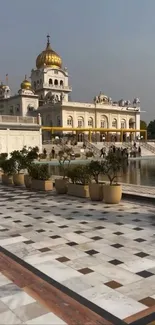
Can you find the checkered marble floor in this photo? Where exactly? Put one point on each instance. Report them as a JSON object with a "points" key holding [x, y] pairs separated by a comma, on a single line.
{"points": [[17, 307], [104, 253]]}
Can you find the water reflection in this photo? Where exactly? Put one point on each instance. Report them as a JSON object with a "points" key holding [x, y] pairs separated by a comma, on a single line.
{"points": [[140, 172]]}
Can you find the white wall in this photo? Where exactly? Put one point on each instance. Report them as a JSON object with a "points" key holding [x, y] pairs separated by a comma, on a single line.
{"points": [[16, 139], [29, 101], [97, 116]]}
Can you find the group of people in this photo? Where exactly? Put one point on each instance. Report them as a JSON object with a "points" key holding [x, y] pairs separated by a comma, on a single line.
{"points": [[52, 154], [134, 151]]}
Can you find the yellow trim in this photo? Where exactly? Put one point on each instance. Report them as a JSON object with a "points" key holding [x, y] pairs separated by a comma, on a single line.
{"points": [[90, 130]]}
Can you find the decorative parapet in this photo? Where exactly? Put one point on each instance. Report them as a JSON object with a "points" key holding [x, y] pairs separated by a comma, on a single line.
{"points": [[9, 119]]}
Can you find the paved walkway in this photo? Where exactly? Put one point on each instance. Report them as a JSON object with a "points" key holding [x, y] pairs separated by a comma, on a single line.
{"points": [[147, 191], [101, 256]]}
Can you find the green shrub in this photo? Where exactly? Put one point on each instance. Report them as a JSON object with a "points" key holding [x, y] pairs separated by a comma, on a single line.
{"points": [[95, 169], [64, 158], [113, 165], [19, 157], [39, 171], [79, 174], [8, 166]]}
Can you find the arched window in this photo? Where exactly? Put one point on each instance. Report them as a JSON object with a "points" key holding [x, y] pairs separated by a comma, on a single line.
{"points": [[90, 122], [131, 123], [104, 122], [114, 123], [123, 124], [61, 83], [70, 121], [50, 81], [80, 122], [56, 82]]}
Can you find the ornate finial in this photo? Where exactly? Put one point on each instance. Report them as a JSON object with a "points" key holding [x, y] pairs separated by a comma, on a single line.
{"points": [[48, 40]]}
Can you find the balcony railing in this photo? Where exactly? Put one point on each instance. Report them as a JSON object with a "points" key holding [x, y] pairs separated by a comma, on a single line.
{"points": [[69, 88], [18, 119]]}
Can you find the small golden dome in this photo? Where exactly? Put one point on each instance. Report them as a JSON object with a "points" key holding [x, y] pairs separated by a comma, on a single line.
{"points": [[26, 84], [48, 58]]}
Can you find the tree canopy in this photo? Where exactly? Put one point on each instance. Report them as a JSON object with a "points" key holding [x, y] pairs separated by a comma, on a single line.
{"points": [[143, 126], [151, 130]]}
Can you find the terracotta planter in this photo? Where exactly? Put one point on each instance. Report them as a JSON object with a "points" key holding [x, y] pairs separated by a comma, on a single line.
{"points": [[78, 190], [7, 179], [96, 191], [27, 181], [41, 185], [18, 179], [112, 193], [61, 185]]}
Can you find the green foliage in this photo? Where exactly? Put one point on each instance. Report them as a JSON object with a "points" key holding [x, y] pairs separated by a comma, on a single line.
{"points": [[112, 166], [39, 171], [23, 158], [151, 129], [8, 166], [3, 156], [143, 126], [79, 174], [32, 154], [95, 169], [19, 158], [64, 158]]}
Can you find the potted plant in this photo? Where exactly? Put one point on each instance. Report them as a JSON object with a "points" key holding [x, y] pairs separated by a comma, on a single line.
{"points": [[7, 166], [80, 177], [113, 164], [20, 164], [32, 154], [64, 158], [40, 176], [95, 188]]}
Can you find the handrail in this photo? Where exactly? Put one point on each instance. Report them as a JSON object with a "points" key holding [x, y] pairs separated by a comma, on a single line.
{"points": [[92, 147], [148, 147]]}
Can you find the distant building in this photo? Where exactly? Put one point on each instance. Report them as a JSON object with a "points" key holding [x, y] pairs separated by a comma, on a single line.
{"points": [[48, 94]]}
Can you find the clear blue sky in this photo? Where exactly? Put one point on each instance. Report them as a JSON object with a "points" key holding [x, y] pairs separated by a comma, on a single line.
{"points": [[107, 45]]}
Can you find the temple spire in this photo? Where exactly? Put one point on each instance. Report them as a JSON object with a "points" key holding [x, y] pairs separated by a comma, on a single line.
{"points": [[48, 40]]}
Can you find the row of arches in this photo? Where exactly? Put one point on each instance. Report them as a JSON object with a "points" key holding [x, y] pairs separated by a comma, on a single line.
{"points": [[103, 123], [54, 82]]}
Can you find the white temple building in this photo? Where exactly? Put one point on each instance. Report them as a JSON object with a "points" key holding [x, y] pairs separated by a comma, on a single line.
{"points": [[48, 94]]}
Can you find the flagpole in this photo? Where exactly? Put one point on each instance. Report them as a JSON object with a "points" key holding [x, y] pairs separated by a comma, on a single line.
{"points": [[6, 79]]}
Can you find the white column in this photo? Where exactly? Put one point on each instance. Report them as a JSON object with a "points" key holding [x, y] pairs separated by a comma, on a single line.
{"points": [[137, 124], [119, 122], [8, 141]]}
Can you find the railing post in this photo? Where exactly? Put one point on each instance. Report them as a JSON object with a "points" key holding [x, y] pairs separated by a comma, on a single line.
{"points": [[89, 135], [39, 119]]}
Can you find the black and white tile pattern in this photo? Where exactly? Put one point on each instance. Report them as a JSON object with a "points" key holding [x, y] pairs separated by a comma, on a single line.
{"points": [[105, 253]]}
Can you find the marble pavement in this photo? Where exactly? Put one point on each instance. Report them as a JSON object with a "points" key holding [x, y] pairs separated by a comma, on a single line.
{"points": [[104, 253]]}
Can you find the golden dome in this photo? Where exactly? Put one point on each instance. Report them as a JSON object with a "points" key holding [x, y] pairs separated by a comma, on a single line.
{"points": [[26, 84], [48, 58]]}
